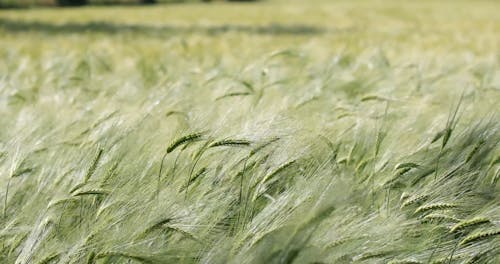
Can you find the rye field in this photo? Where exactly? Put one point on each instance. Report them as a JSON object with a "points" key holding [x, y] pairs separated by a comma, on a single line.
{"points": [[270, 132]]}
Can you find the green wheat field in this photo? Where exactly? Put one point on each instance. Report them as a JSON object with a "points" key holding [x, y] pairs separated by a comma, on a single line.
{"points": [[270, 132]]}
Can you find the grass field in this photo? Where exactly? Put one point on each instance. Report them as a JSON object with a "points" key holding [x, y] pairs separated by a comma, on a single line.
{"points": [[278, 132]]}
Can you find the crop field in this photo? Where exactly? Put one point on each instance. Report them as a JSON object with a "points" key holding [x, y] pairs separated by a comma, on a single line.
{"points": [[269, 132]]}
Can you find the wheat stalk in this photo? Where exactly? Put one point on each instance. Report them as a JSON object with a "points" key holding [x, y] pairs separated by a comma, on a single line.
{"points": [[50, 258], [93, 166], [435, 206], [92, 192], [440, 217], [479, 236], [405, 261], [141, 259], [184, 140], [405, 165], [469, 223], [230, 143], [474, 150], [232, 95], [281, 168], [414, 199]]}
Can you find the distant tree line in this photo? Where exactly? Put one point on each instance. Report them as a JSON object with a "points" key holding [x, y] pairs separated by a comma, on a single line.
{"points": [[21, 3], [84, 2]]}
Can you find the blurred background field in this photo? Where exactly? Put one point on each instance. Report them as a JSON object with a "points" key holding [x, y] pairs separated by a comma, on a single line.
{"points": [[442, 25]]}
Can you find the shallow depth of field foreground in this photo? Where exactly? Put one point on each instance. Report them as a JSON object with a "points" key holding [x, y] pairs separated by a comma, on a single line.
{"points": [[269, 132]]}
